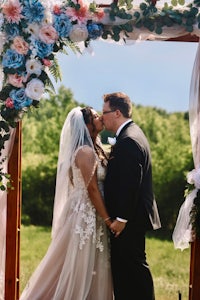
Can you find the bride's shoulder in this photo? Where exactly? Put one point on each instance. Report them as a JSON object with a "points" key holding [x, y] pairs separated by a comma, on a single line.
{"points": [[84, 153], [85, 150]]}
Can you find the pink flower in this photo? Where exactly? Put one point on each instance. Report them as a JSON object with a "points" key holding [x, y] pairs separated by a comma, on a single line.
{"points": [[99, 14], [9, 103], [15, 80], [80, 15], [78, 33], [46, 62], [12, 11], [56, 9], [20, 45], [48, 34]]}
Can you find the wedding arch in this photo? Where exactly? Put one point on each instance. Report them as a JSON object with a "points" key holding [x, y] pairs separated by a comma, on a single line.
{"points": [[31, 33]]}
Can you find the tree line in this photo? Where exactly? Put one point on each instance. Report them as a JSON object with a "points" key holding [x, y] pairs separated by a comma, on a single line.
{"points": [[168, 135]]}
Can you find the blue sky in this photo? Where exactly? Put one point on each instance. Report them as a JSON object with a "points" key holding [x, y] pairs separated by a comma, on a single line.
{"points": [[152, 73]]}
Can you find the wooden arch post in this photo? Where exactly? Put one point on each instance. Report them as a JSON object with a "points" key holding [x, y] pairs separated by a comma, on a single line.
{"points": [[13, 221]]}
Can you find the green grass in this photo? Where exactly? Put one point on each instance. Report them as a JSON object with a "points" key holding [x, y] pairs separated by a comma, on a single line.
{"points": [[170, 267]]}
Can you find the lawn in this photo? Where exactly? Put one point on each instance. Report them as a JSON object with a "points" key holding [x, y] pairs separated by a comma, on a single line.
{"points": [[170, 267]]}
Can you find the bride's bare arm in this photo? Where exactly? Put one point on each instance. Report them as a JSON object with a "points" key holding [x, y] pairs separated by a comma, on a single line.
{"points": [[86, 162]]}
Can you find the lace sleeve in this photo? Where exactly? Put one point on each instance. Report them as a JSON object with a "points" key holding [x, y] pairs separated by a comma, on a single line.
{"points": [[86, 161]]}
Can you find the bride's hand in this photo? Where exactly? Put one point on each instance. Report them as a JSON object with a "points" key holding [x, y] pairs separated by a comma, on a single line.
{"points": [[117, 227]]}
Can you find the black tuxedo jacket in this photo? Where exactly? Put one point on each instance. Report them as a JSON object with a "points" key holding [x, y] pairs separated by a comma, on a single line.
{"points": [[128, 184]]}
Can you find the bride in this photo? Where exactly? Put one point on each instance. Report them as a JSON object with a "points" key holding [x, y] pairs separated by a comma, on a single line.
{"points": [[77, 263]]}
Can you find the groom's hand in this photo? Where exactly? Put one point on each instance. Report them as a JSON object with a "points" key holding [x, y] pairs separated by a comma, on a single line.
{"points": [[117, 227]]}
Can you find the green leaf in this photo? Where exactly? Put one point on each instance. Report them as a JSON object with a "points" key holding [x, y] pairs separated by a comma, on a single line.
{"points": [[194, 11], [166, 6], [189, 21], [158, 30], [174, 2], [181, 2], [4, 93], [116, 37], [138, 24], [128, 27], [2, 187], [4, 125], [189, 28], [136, 15], [55, 70], [143, 6]]}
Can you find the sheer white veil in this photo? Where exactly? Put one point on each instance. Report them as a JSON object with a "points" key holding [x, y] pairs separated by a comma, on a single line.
{"points": [[74, 134]]}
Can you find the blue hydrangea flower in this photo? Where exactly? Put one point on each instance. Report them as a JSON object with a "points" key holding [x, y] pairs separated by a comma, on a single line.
{"points": [[12, 59], [12, 30], [20, 99], [63, 25], [43, 49], [94, 30], [33, 10]]}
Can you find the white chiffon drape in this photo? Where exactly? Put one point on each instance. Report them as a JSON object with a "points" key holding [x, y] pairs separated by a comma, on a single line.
{"points": [[182, 235]]}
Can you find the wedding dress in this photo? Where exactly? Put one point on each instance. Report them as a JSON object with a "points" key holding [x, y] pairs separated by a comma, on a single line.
{"points": [[77, 263]]}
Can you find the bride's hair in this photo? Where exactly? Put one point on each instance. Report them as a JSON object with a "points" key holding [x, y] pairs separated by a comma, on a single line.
{"points": [[88, 119]]}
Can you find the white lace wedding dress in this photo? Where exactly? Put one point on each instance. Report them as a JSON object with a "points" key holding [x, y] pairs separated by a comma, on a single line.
{"points": [[76, 265]]}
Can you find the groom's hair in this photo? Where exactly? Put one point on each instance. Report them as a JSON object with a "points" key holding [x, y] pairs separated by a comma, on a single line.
{"points": [[121, 102]]}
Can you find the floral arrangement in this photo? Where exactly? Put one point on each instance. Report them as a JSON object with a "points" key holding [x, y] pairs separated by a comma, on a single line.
{"points": [[33, 31]]}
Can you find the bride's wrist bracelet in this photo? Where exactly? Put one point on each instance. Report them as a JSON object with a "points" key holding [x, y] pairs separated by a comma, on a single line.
{"points": [[106, 219]]}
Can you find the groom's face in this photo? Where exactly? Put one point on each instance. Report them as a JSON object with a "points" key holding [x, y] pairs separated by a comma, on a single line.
{"points": [[108, 116]]}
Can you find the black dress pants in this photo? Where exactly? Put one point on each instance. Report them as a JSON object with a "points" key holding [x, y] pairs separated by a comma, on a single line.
{"points": [[132, 278]]}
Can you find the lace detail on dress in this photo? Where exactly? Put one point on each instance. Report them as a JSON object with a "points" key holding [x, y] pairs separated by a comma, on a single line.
{"points": [[2, 279], [88, 215], [89, 226], [99, 235]]}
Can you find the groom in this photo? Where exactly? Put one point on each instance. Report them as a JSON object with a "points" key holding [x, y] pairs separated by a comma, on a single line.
{"points": [[130, 201]]}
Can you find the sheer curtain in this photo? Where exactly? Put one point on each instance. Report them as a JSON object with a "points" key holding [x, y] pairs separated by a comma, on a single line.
{"points": [[182, 232], [3, 211]]}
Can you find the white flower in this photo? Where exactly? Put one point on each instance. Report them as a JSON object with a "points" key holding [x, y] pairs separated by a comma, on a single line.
{"points": [[1, 19], [48, 17], [33, 29], [193, 177], [34, 66], [112, 141], [78, 33], [2, 41], [1, 78], [35, 89], [50, 3]]}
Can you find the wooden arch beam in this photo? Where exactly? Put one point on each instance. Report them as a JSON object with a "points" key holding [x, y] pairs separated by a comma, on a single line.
{"points": [[185, 38]]}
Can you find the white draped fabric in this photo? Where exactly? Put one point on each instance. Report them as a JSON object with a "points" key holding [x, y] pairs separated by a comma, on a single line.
{"points": [[182, 233], [3, 211]]}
